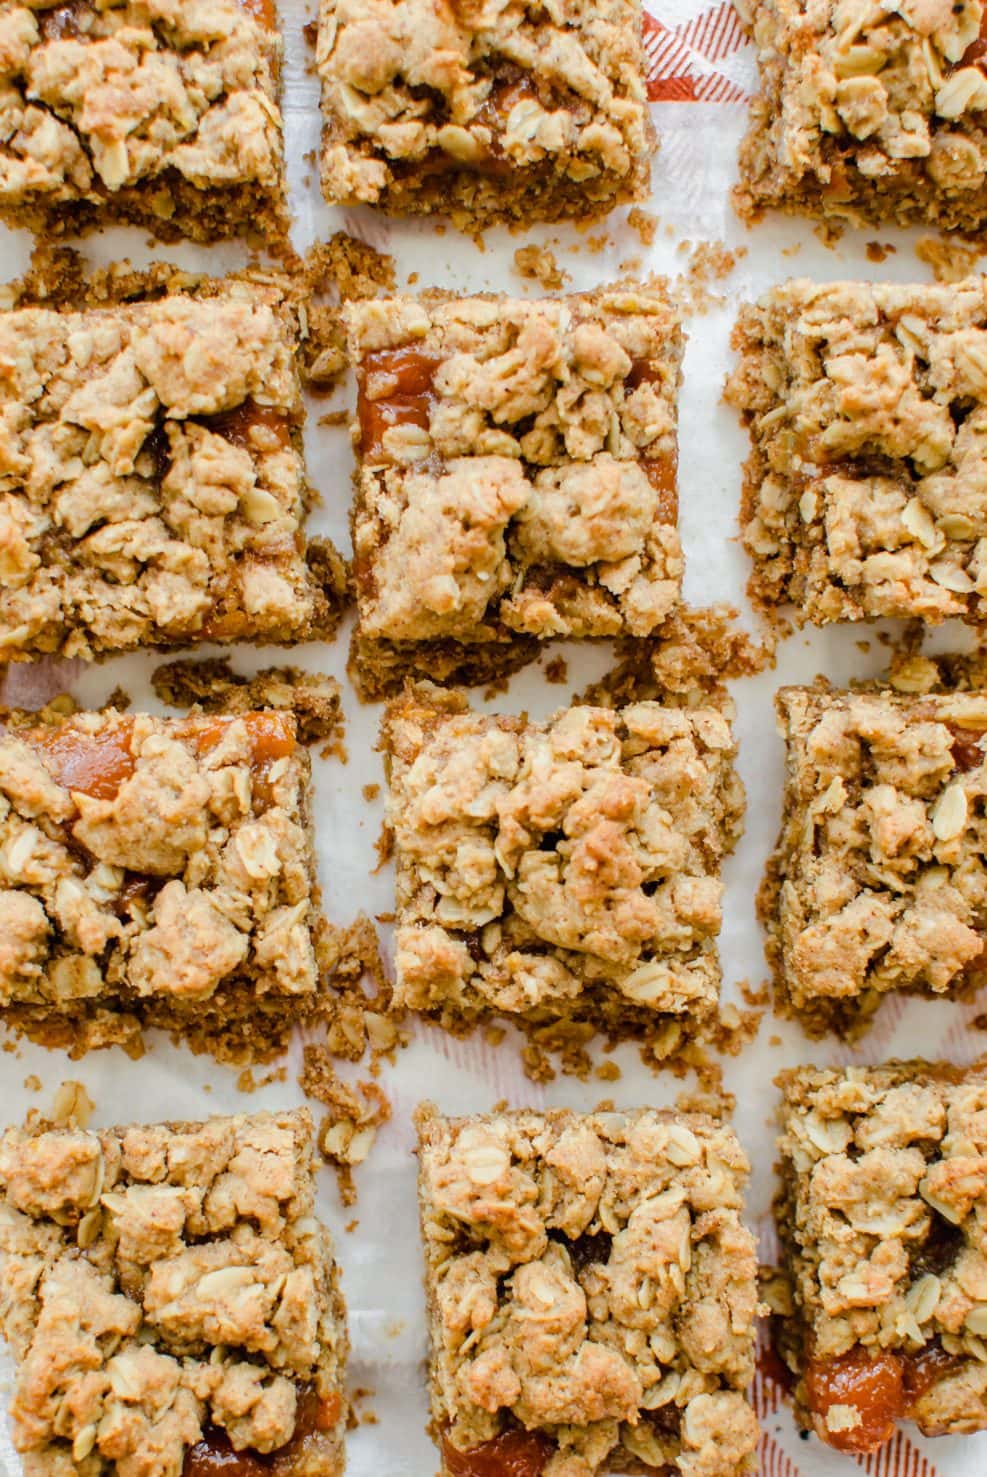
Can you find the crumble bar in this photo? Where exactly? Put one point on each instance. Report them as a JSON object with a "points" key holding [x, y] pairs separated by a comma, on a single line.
{"points": [[156, 872], [868, 112], [565, 872], [152, 481], [506, 113], [160, 113], [170, 1301], [591, 1293], [516, 477], [866, 405], [879, 878], [881, 1214]]}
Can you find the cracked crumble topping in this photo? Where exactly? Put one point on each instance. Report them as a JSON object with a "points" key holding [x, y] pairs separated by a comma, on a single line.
{"points": [[566, 870], [489, 112], [879, 879], [867, 408], [152, 484], [154, 872], [516, 477], [869, 111], [167, 1292], [163, 113], [881, 1215], [589, 1280]]}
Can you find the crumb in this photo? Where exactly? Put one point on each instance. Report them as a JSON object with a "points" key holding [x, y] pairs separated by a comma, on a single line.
{"points": [[32, 1083], [608, 1072], [395, 1328], [334, 418], [73, 1107], [706, 1098], [347, 1132], [412, 278], [950, 261], [774, 1040], [863, 646], [119, 698], [358, 1021], [596, 244], [384, 846], [829, 232], [210, 685], [879, 251], [605, 1105], [755, 997], [557, 670], [370, 792], [631, 266], [246, 1082], [709, 261], [351, 1226], [310, 30], [538, 264], [792, 250], [493, 1035], [644, 223]]}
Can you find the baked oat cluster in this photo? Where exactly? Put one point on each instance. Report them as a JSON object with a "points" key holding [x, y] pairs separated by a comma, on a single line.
{"points": [[154, 872], [866, 405], [169, 1297], [870, 110], [566, 870], [882, 1212], [506, 111], [159, 112], [152, 486], [591, 1293], [879, 879], [516, 478]]}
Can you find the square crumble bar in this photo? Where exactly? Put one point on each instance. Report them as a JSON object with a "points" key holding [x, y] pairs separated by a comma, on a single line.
{"points": [[563, 874], [516, 477], [170, 1301], [156, 872], [864, 495], [879, 879], [882, 1211], [505, 112], [868, 112], [591, 1293], [161, 114], [152, 480]]}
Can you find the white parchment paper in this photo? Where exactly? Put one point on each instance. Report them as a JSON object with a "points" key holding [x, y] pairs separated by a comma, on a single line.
{"points": [[380, 1257]]}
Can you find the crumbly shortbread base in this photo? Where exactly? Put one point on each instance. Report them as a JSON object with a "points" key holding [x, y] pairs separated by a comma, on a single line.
{"points": [[867, 115], [589, 1278], [563, 874], [879, 878], [865, 404], [163, 1283]]}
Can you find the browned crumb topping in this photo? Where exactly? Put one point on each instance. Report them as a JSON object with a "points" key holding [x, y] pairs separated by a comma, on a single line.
{"points": [[211, 686], [505, 906], [864, 404], [517, 475], [165, 115], [485, 115], [868, 112], [589, 1279], [879, 879], [881, 1209], [538, 264], [951, 261], [167, 1290]]}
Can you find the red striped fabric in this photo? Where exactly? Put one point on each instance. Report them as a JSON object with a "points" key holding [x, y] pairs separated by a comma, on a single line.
{"points": [[681, 60]]}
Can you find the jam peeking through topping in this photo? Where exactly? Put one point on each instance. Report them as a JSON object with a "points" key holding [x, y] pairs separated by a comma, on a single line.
{"points": [[237, 424], [98, 762], [406, 400], [213, 1456], [966, 750], [513, 1454], [881, 1388]]}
